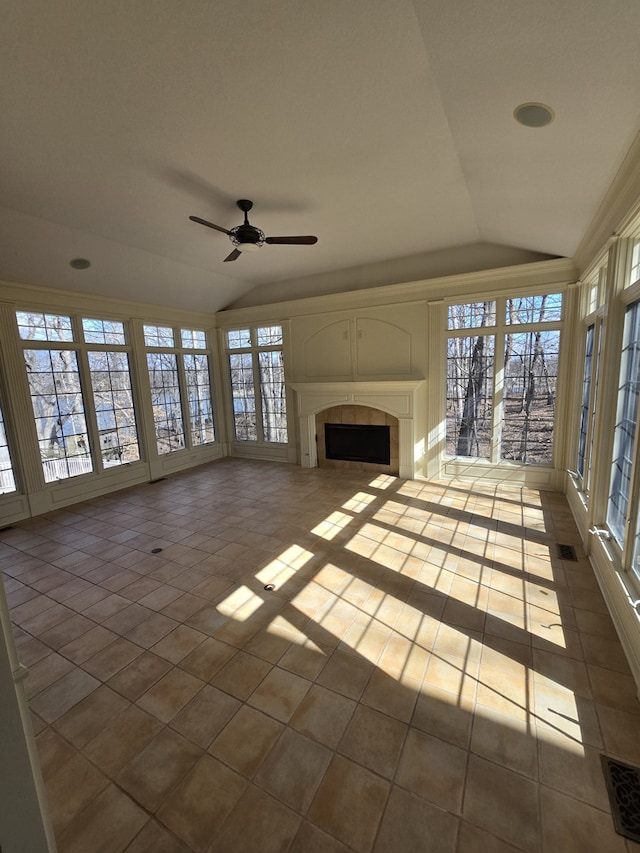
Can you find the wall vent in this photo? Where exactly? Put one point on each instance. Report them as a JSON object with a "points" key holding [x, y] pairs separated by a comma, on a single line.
{"points": [[567, 552], [623, 787]]}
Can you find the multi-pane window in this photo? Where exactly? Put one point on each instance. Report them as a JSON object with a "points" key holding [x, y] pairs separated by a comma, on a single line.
{"points": [[586, 397], [180, 387], [112, 391], [502, 368], [56, 396], [258, 390], [625, 425], [60, 403], [7, 480]]}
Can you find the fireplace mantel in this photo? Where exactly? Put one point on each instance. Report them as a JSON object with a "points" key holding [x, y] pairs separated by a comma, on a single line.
{"points": [[403, 399]]}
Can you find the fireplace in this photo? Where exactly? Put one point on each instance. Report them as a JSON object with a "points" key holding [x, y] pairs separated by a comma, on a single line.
{"points": [[358, 443], [403, 400]]}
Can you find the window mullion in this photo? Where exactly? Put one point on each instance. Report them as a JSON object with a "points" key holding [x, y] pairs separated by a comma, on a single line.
{"points": [[91, 419], [498, 394], [184, 397]]}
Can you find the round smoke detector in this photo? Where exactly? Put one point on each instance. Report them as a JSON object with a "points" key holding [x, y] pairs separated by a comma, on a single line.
{"points": [[533, 114]]}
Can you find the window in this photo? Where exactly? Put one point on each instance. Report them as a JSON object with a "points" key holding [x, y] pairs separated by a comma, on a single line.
{"points": [[625, 425], [7, 481], [180, 387], [501, 378], [59, 412], [258, 390], [112, 392], [79, 429], [586, 396]]}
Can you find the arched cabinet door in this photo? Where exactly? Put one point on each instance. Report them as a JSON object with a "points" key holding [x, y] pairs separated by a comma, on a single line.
{"points": [[382, 348]]}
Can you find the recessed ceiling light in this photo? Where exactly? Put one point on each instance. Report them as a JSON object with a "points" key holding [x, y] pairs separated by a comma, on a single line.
{"points": [[533, 114], [80, 264]]}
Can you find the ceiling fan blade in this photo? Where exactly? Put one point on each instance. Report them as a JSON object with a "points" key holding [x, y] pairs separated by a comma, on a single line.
{"points": [[307, 240], [233, 256], [208, 224]]}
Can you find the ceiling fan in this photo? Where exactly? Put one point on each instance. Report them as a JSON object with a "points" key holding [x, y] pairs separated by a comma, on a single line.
{"points": [[248, 238]]}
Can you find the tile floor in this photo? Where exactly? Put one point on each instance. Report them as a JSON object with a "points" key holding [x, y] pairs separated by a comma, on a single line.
{"points": [[427, 674]]}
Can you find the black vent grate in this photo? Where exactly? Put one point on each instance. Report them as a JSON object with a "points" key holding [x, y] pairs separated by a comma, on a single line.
{"points": [[623, 787], [567, 552]]}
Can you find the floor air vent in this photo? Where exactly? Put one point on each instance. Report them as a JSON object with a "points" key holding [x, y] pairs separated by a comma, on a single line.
{"points": [[623, 787], [567, 552]]}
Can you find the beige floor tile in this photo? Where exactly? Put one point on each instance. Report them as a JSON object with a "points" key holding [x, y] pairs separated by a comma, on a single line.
{"points": [[504, 803], [471, 839], [84, 647], [575, 827], [205, 715], [410, 824], [112, 817], [197, 808], [141, 674], [349, 803], [122, 740], [573, 769], [168, 696], [617, 689], [258, 824], [310, 839], [245, 741], [293, 769], [241, 675], [89, 717], [208, 658], [152, 630], [53, 752], [178, 643], [71, 788], [155, 837], [433, 769], [323, 715], [279, 694], [306, 660], [391, 697], [445, 715], [63, 694], [506, 740], [374, 740], [112, 659], [158, 768], [46, 671]]}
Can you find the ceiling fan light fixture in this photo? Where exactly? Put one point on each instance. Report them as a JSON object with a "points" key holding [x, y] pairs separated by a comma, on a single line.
{"points": [[248, 247]]}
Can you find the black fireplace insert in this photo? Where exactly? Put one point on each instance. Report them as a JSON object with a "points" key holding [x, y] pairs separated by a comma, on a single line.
{"points": [[358, 443]]}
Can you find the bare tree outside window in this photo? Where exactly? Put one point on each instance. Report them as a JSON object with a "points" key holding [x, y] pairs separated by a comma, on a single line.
{"points": [[58, 408], [529, 374], [258, 384], [470, 381], [7, 480]]}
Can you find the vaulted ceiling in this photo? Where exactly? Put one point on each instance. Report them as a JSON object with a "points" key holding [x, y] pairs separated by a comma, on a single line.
{"points": [[384, 127]]}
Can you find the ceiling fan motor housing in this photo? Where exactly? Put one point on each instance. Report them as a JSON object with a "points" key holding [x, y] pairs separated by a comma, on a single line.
{"points": [[247, 234]]}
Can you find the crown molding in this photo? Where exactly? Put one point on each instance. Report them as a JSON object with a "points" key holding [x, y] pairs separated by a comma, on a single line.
{"points": [[561, 271], [618, 210]]}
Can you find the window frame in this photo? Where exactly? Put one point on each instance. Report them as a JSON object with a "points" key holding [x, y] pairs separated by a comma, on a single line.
{"points": [[499, 331], [250, 345], [78, 344], [180, 350]]}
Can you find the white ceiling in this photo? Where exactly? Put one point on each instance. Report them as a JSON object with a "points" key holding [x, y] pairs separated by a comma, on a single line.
{"points": [[384, 127]]}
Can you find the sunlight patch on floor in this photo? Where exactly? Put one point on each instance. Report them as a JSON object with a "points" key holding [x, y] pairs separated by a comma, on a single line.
{"points": [[284, 566], [241, 604]]}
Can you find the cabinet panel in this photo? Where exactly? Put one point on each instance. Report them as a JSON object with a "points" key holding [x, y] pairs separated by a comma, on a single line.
{"points": [[382, 348], [327, 352]]}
